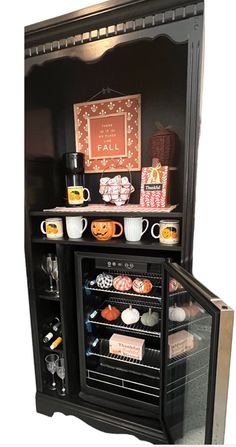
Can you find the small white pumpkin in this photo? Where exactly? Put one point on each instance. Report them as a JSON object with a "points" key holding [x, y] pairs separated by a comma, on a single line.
{"points": [[130, 315], [150, 318], [176, 314]]}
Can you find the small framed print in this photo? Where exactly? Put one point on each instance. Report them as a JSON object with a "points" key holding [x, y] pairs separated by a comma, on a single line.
{"points": [[108, 133]]}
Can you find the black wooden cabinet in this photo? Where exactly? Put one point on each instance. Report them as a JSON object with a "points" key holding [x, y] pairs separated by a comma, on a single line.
{"points": [[140, 46]]}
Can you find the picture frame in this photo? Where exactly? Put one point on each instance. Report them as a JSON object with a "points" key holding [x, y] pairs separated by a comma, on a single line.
{"points": [[108, 132]]}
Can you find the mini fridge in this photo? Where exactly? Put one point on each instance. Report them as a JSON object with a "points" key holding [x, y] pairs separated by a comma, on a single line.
{"points": [[180, 381]]}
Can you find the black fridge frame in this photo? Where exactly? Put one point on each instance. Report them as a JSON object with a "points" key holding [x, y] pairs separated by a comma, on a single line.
{"points": [[80, 315], [203, 296]]}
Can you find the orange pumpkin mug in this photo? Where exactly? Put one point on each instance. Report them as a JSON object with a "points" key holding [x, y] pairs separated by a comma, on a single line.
{"points": [[168, 231], [105, 229]]}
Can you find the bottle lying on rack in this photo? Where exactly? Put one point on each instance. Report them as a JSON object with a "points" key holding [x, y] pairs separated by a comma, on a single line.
{"points": [[56, 343], [55, 326]]}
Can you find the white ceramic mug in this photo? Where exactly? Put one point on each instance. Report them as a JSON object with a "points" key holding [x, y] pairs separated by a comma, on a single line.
{"points": [[75, 226], [133, 227], [168, 231], [54, 227]]}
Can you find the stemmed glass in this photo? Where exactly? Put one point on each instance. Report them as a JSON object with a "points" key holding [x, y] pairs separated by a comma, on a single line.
{"points": [[55, 275], [60, 368], [51, 360], [46, 266]]}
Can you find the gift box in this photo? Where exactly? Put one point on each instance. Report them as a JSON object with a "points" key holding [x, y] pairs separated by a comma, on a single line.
{"points": [[154, 186]]}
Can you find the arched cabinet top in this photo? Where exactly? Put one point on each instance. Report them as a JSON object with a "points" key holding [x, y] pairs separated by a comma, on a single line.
{"points": [[90, 46]]}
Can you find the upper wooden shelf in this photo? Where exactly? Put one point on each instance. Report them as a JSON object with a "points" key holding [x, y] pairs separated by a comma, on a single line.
{"points": [[100, 210]]}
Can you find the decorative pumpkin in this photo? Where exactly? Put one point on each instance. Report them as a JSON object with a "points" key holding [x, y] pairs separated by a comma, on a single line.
{"points": [[141, 285], [122, 283], [130, 315], [192, 310], [177, 314], [104, 281], [105, 229], [174, 285], [110, 313], [150, 318]]}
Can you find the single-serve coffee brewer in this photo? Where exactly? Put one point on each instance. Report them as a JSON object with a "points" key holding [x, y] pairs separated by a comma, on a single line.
{"points": [[77, 194]]}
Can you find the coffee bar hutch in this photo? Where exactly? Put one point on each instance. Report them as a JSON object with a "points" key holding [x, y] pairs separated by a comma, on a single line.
{"points": [[152, 48]]}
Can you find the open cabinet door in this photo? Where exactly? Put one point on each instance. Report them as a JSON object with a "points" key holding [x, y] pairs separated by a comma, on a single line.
{"points": [[197, 335]]}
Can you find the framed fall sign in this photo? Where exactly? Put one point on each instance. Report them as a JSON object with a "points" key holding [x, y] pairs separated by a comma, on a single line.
{"points": [[108, 133]]}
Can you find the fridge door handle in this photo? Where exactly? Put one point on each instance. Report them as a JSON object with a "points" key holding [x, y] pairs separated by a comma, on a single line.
{"points": [[222, 371]]}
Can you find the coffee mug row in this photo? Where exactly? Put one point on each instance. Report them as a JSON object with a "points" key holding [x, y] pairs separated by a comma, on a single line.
{"points": [[105, 229]]}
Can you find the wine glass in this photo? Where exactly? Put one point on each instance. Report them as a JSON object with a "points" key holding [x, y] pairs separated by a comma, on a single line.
{"points": [[55, 274], [51, 360], [60, 368], [46, 266]]}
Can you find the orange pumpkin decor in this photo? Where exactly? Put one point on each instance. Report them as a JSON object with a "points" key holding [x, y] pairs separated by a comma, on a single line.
{"points": [[174, 285], [141, 285], [52, 229], [110, 313], [105, 229], [192, 310]]}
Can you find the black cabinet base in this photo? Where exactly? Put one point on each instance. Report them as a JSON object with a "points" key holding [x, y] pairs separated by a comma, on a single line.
{"points": [[111, 422]]}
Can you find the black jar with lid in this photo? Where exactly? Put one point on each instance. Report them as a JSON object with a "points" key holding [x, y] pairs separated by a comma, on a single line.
{"points": [[77, 194]]}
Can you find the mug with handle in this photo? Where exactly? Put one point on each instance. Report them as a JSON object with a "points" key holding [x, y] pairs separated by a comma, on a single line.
{"points": [[133, 227], [53, 227], [76, 195], [168, 231], [75, 226], [105, 229]]}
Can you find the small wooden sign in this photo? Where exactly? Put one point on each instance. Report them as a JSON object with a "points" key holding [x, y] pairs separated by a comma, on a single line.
{"points": [[108, 133]]}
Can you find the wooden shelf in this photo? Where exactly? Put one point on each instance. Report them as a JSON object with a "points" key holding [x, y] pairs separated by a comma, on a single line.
{"points": [[110, 211], [58, 350], [113, 243], [47, 296]]}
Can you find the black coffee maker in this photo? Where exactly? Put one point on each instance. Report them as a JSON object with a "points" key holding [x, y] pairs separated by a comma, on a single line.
{"points": [[75, 179]]}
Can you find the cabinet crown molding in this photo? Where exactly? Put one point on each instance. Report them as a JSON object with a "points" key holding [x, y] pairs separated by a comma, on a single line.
{"points": [[102, 21]]}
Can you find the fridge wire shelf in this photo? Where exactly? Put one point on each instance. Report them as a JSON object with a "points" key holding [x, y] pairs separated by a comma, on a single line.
{"points": [[148, 275], [190, 376], [129, 293], [90, 285], [186, 355], [176, 326], [150, 359], [187, 382], [123, 383], [96, 318]]}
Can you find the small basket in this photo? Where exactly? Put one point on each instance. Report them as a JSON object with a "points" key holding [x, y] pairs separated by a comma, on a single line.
{"points": [[116, 190], [162, 145]]}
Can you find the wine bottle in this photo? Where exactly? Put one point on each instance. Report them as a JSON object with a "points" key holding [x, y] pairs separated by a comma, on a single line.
{"points": [[54, 325], [47, 337], [56, 343], [53, 322]]}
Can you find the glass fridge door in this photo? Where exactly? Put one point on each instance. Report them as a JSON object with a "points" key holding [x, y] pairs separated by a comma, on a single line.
{"points": [[191, 329]]}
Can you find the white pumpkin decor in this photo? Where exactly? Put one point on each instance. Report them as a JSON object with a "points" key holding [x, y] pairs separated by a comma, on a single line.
{"points": [[176, 314], [150, 318], [130, 315]]}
